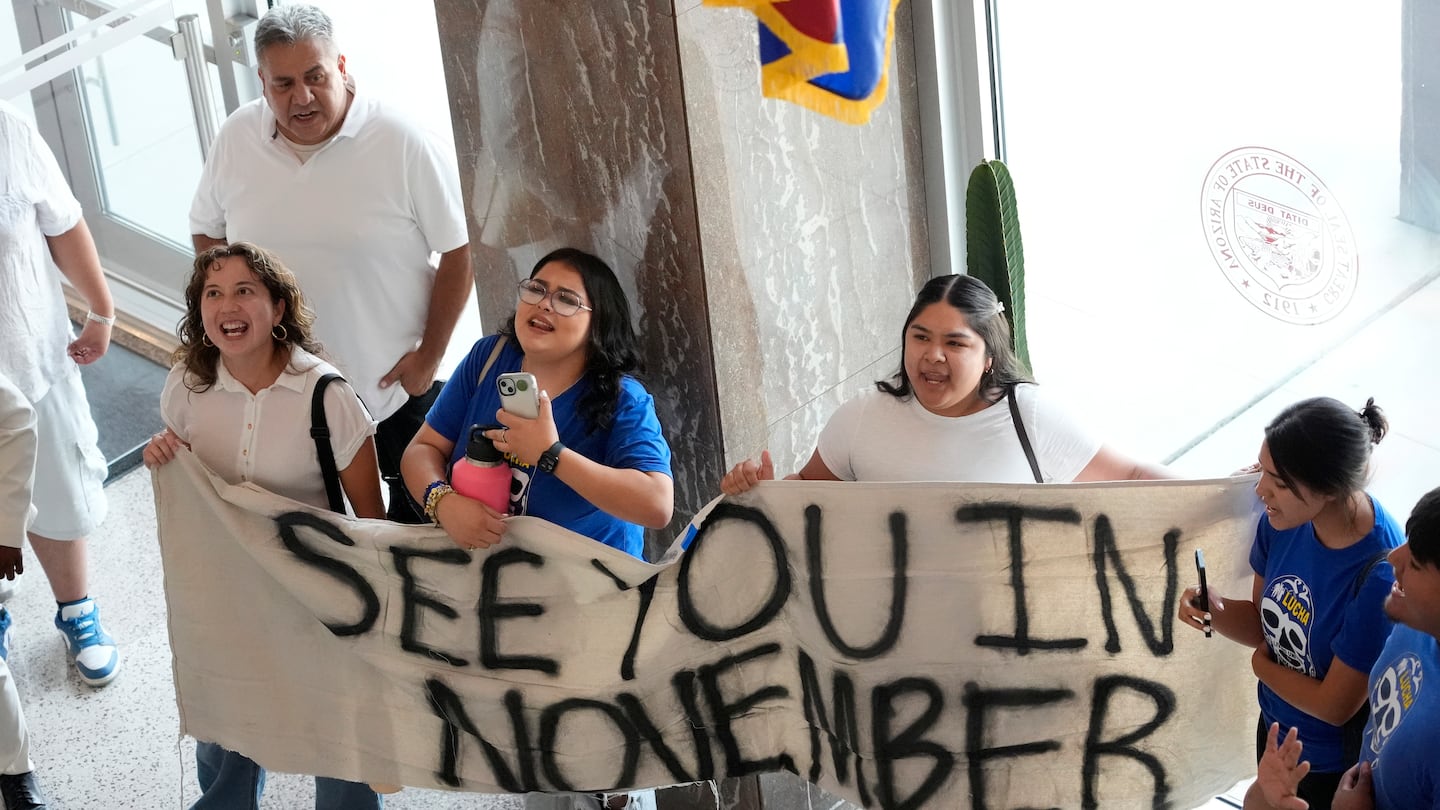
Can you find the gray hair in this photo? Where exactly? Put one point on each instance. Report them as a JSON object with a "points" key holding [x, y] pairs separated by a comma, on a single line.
{"points": [[288, 24]]}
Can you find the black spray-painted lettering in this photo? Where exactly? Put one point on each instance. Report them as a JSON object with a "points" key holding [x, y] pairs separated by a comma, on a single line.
{"points": [[909, 765], [288, 524], [1124, 746], [447, 706], [725, 712], [602, 568], [492, 612], [899, 557], [550, 718], [525, 752], [978, 704], [413, 600], [843, 734], [640, 719], [909, 743], [1014, 516], [1105, 547], [647, 595], [779, 592]]}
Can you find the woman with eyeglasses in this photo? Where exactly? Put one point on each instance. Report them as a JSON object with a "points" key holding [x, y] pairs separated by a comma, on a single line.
{"points": [[594, 460]]}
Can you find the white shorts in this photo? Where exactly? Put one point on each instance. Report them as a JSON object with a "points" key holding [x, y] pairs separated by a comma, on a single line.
{"points": [[70, 470]]}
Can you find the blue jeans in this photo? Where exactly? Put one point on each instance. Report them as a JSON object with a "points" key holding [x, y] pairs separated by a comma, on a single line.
{"points": [[231, 781]]}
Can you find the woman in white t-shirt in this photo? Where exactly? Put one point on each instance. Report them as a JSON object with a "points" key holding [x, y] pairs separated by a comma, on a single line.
{"points": [[239, 397], [948, 413]]}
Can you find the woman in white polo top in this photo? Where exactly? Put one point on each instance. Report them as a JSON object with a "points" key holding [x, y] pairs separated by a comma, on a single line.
{"points": [[239, 397]]}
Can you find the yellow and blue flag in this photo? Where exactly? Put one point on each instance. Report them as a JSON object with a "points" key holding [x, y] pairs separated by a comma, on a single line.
{"points": [[830, 56]]}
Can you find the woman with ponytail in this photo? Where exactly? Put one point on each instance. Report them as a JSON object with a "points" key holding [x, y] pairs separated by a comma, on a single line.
{"points": [[1315, 615]]}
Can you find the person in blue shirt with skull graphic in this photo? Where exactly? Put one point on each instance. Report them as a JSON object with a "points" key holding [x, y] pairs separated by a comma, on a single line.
{"points": [[1398, 769], [1315, 617]]}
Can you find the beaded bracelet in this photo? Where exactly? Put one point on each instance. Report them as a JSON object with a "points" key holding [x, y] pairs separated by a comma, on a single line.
{"points": [[108, 320], [433, 493]]}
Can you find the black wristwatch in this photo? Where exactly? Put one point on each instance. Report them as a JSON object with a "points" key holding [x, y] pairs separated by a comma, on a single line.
{"points": [[550, 458]]}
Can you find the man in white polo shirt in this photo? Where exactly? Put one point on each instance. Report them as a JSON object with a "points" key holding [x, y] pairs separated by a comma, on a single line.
{"points": [[355, 200]]}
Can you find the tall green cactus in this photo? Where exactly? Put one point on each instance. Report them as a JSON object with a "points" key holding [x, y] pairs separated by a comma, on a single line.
{"points": [[993, 251]]}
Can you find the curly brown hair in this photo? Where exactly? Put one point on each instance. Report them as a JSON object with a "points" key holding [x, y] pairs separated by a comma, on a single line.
{"points": [[198, 356]]}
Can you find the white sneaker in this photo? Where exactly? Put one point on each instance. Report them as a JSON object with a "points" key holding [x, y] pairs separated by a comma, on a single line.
{"points": [[96, 658]]}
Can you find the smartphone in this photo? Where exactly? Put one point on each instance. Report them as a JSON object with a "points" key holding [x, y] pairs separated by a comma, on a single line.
{"points": [[519, 394], [1204, 588]]}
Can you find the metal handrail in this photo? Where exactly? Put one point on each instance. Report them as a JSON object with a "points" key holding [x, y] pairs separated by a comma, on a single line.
{"points": [[189, 49], [65, 53]]}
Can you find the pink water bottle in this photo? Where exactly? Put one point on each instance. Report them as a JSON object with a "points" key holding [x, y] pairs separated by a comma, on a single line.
{"points": [[483, 474]]}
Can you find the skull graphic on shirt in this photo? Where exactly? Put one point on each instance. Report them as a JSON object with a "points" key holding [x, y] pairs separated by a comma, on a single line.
{"points": [[519, 488], [1287, 612], [1395, 691]]}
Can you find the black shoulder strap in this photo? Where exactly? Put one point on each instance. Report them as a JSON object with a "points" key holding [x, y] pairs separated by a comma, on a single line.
{"points": [[320, 432], [1024, 437], [1364, 574]]}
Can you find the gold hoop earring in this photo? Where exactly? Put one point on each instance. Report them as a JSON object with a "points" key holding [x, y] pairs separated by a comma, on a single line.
{"points": [[205, 339], [283, 333]]}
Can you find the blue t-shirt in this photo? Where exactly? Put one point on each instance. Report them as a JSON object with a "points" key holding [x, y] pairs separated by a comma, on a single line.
{"points": [[1311, 614], [632, 442], [1405, 722]]}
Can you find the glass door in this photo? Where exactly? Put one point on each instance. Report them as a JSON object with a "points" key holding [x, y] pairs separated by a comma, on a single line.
{"points": [[125, 131]]}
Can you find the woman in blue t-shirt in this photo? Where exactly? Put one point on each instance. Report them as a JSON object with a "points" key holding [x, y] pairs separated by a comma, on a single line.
{"points": [[594, 460], [1315, 617]]}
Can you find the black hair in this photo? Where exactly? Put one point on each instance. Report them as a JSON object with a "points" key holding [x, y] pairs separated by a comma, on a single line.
{"points": [[983, 312], [1422, 530], [613, 349], [1321, 443]]}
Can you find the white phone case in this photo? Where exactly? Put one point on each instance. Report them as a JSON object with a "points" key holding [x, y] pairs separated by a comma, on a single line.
{"points": [[519, 394]]}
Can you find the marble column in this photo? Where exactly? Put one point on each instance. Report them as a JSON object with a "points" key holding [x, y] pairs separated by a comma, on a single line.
{"points": [[772, 253], [813, 236]]}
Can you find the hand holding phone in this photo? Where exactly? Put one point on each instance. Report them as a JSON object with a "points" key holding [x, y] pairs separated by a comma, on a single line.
{"points": [[519, 394], [1204, 589]]}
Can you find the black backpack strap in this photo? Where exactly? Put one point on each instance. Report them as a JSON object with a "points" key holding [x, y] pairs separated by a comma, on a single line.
{"points": [[1024, 437], [1359, 583], [320, 432]]}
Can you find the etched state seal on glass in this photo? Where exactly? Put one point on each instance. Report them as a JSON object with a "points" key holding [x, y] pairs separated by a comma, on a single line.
{"points": [[1278, 234]]}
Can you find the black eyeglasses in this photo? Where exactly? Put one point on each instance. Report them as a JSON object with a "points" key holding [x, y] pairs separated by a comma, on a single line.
{"points": [[564, 302]]}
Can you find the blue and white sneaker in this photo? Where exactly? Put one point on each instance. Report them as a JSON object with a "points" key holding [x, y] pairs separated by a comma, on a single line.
{"points": [[7, 633], [96, 658]]}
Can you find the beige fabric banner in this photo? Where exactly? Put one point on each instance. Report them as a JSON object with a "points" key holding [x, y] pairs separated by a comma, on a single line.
{"points": [[905, 646]]}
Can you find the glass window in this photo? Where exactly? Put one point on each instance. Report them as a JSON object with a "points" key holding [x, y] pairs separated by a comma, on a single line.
{"points": [[142, 130], [1213, 196]]}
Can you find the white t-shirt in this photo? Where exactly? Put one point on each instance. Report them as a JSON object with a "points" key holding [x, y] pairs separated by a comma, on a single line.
{"points": [[265, 437], [877, 437], [35, 202], [356, 222]]}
